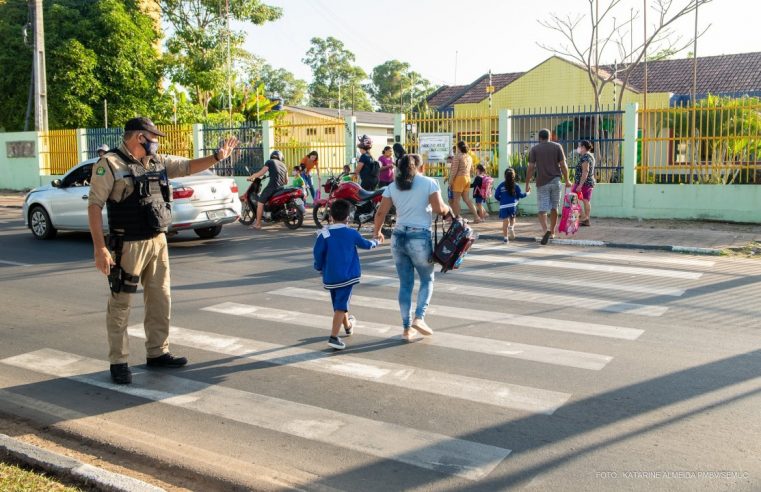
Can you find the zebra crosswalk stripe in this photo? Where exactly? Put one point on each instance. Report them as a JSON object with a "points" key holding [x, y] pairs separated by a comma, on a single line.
{"points": [[428, 450], [502, 318], [486, 346], [608, 256], [552, 280], [444, 384], [534, 297]]}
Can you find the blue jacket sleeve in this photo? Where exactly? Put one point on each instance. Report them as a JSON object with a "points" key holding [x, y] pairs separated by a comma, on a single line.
{"points": [[319, 253], [498, 192], [363, 243]]}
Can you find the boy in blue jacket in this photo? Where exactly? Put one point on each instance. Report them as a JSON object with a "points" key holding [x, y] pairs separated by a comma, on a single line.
{"points": [[336, 257]]}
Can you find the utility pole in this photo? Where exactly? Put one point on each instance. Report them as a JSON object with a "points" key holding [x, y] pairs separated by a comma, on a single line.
{"points": [[105, 112], [229, 64], [40, 77]]}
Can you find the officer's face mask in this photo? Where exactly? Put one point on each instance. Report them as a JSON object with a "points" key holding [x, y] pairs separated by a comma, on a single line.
{"points": [[151, 147]]}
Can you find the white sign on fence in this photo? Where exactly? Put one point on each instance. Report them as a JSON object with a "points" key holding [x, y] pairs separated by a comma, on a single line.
{"points": [[436, 145]]}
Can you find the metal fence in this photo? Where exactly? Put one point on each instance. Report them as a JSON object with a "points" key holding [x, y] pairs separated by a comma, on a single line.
{"points": [[247, 157], [567, 127], [58, 151], [428, 134], [95, 137], [295, 137], [716, 141]]}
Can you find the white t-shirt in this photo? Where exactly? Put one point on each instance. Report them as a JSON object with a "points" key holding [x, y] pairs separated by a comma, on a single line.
{"points": [[413, 207]]}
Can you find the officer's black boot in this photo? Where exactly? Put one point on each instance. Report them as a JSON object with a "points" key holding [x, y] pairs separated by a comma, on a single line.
{"points": [[120, 374], [166, 360]]}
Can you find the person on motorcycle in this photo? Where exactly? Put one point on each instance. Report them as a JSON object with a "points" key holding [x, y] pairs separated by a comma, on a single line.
{"points": [[278, 175]]}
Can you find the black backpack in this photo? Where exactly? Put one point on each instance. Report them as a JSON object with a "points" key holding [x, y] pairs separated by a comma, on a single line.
{"points": [[454, 244], [370, 171]]}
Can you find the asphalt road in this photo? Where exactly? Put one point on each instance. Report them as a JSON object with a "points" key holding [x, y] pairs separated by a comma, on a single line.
{"points": [[551, 368]]}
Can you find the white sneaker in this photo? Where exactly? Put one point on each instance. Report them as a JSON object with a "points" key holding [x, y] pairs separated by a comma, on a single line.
{"points": [[408, 335], [511, 233], [422, 327]]}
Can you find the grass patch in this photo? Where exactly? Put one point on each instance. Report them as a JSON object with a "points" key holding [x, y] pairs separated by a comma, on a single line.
{"points": [[15, 479], [750, 250]]}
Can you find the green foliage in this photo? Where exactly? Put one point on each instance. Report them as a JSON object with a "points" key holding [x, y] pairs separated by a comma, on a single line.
{"points": [[278, 82], [333, 66], [720, 131], [16, 58], [197, 50], [99, 49], [396, 88]]}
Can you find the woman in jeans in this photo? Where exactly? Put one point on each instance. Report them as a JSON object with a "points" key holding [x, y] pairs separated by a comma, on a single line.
{"points": [[416, 198]]}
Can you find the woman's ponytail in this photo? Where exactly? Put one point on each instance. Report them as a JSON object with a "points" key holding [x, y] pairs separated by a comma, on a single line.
{"points": [[406, 169]]}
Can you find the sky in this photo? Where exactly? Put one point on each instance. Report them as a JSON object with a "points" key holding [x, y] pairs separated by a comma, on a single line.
{"points": [[456, 41]]}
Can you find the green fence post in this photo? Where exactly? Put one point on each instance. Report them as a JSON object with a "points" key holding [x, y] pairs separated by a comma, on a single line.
{"points": [[630, 158], [505, 136], [198, 140], [81, 144], [400, 130], [350, 122], [268, 139]]}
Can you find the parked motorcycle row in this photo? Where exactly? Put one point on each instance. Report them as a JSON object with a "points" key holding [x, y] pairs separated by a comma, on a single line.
{"points": [[287, 205]]}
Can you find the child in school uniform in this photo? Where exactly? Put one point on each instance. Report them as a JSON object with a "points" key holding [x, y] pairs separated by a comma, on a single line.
{"points": [[479, 189], [336, 257], [508, 193]]}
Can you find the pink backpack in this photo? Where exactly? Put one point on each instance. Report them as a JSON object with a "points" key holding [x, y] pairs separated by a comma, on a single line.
{"points": [[569, 221], [485, 188]]}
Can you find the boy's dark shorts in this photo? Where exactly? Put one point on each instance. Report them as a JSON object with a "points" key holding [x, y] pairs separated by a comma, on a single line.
{"points": [[341, 298]]}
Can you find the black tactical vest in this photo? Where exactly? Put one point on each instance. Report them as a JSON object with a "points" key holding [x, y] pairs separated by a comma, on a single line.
{"points": [[147, 211]]}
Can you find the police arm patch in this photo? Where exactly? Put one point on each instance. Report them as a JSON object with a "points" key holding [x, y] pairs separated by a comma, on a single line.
{"points": [[100, 171]]}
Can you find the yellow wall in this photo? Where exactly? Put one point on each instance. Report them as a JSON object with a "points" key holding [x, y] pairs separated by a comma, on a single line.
{"points": [[555, 83]]}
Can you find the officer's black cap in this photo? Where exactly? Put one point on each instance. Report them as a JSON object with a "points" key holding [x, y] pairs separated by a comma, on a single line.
{"points": [[142, 124]]}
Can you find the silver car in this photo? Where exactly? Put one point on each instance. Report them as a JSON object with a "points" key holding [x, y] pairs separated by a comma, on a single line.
{"points": [[203, 202]]}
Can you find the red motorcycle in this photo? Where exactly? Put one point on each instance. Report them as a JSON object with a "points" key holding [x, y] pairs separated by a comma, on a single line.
{"points": [[365, 202], [286, 205]]}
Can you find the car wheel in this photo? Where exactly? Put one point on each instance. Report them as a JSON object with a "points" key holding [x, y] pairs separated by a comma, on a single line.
{"points": [[321, 216], [208, 232], [246, 214], [40, 224]]}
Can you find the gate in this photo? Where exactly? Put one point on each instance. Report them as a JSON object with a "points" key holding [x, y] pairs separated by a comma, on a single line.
{"points": [[479, 131], [296, 136]]}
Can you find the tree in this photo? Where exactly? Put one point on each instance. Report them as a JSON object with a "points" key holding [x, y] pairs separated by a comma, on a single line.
{"points": [[604, 34], [336, 81], [198, 48], [278, 82], [96, 50], [395, 87]]}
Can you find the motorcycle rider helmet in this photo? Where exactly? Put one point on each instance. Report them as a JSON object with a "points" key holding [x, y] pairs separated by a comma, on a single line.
{"points": [[276, 154], [365, 142]]}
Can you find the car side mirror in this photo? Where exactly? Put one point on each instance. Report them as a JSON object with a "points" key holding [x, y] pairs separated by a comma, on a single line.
{"points": [[56, 183]]}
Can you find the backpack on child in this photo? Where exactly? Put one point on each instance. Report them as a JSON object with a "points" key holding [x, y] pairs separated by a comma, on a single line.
{"points": [[485, 190], [454, 244], [569, 220]]}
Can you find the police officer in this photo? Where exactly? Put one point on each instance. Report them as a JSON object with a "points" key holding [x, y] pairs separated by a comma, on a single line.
{"points": [[132, 182], [278, 175]]}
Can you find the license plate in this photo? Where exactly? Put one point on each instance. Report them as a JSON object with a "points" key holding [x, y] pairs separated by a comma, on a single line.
{"points": [[217, 214]]}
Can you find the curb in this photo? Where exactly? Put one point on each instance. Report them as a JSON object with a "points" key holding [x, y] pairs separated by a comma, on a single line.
{"points": [[605, 244], [71, 468]]}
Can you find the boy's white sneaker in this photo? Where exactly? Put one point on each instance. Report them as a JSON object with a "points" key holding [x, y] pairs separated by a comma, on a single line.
{"points": [[422, 327], [505, 240], [350, 329], [511, 233]]}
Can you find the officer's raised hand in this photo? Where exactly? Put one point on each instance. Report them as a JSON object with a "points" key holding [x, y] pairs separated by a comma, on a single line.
{"points": [[103, 260]]}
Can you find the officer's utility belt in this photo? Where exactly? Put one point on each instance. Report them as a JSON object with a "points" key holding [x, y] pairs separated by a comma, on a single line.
{"points": [[119, 280]]}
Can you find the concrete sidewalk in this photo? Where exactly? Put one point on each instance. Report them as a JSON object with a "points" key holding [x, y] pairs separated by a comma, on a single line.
{"points": [[673, 235]]}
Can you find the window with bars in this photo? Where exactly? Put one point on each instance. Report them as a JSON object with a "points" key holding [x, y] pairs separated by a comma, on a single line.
{"points": [[311, 132]]}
